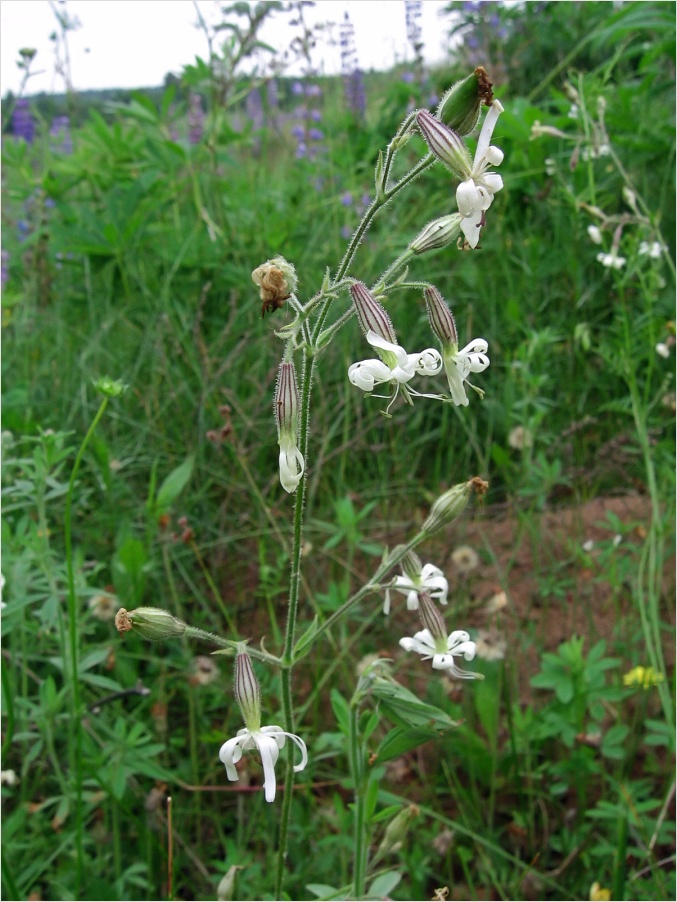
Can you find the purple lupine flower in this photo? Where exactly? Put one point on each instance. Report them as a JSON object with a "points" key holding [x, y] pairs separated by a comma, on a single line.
{"points": [[353, 82], [297, 89], [5, 267], [316, 134], [315, 115], [254, 106], [23, 124], [347, 199], [412, 13], [60, 132], [273, 94], [196, 119]]}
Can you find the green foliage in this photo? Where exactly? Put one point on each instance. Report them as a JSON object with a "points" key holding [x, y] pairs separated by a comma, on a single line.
{"points": [[132, 257]]}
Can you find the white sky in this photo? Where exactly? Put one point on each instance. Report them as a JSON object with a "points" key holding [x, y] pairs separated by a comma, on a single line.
{"points": [[134, 43]]}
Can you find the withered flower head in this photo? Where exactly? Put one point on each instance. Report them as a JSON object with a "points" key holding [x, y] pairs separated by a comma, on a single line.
{"points": [[277, 281]]}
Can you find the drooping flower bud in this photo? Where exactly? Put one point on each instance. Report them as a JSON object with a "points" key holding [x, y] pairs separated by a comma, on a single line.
{"points": [[397, 830], [460, 105], [277, 281], [438, 233], [441, 318], [247, 690], [431, 618], [371, 315], [150, 623], [448, 507], [447, 146], [287, 417]]}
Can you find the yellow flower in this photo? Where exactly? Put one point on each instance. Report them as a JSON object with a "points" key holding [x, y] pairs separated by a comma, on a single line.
{"points": [[599, 893], [642, 677]]}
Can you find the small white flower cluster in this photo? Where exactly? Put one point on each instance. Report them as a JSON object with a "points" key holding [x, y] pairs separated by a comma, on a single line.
{"points": [[421, 583], [397, 368]]}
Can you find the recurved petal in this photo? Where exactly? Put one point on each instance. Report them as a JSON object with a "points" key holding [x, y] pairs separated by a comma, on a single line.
{"points": [[269, 751], [368, 373], [229, 754]]}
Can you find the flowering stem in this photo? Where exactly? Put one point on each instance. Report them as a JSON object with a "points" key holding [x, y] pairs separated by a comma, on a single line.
{"points": [[74, 638], [357, 769], [390, 562], [287, 654]]}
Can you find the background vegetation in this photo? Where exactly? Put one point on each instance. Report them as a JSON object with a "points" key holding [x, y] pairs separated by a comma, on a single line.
{"points": [[129, 254]]}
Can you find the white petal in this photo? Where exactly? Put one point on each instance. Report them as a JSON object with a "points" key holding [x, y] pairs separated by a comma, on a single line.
{"points": [[470, 226], [493, 182], [230, 753], [368, 374], [269, 750], [412, 600], [278, 734], [428, 362], [468, 199], [455, 380], [291, 466], [386, 603], [488, 127], [494, 156]]}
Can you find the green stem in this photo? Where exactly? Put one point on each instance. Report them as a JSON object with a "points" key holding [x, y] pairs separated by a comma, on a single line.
{"points": [[390, 562], [357, 769], [287, 654], [72, 671]]}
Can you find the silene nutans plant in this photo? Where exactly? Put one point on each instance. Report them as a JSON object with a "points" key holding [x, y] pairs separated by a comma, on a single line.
{"points": [[389, 372]]}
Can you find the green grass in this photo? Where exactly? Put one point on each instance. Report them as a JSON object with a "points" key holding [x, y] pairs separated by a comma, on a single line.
{"points": [[136, 263]]}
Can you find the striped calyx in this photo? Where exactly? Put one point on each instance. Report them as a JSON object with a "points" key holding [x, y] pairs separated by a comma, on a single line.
{"points": [[371, 316], [247, 690], [441, 318], [445, 144], [287, 400], [430, 617]]}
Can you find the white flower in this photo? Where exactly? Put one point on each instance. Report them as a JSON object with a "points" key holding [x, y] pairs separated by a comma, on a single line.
{"points": [[286, 407], [595, 234], [662, 349], [431, 580], [653, 250], [476, 191], [269, 741], [397, 367], [459, 364], [443, 651], [588, 545], [475, 195], [612, 260]]}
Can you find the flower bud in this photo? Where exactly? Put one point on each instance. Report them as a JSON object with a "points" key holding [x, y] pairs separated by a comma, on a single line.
{"points": [[110, 388], [460, 106], [438, 233], [286, 406], [445, 144], [431, 618], [397, 830], [150, 623], [441, 318], [448, 507], [277, 280], [371, 316], [247, 690]]}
